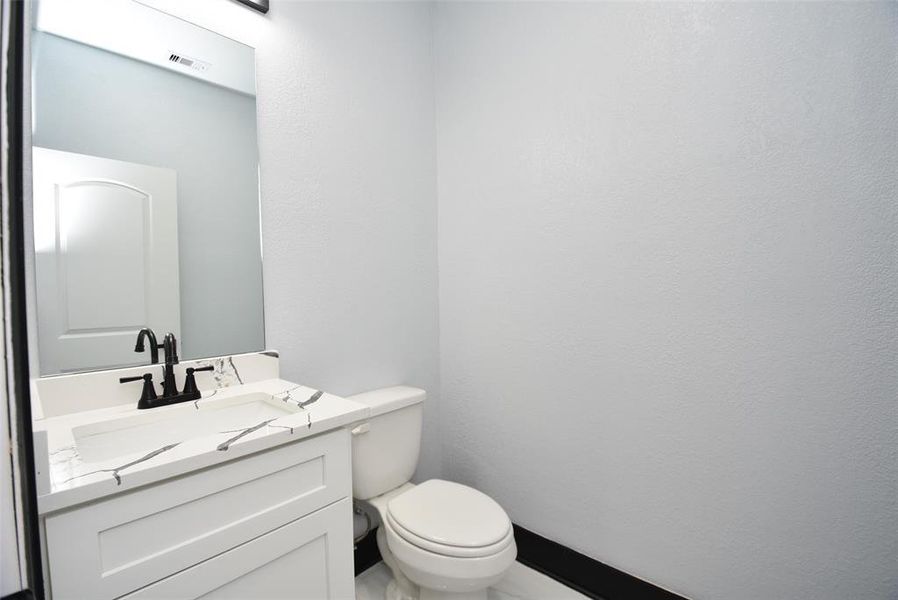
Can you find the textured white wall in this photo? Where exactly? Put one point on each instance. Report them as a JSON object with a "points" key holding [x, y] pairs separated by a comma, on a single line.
{"points": [[668, 263], [346, 143], [346, 132], [347, 140]]}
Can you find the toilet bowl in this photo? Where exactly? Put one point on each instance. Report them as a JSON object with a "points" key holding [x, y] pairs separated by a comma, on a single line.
{"points": [[441, 540]]}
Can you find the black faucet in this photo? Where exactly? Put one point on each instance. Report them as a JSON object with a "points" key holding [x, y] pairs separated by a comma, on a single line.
{"points": [[170, 346], [170, 394], [148, 393], [147, 333]]}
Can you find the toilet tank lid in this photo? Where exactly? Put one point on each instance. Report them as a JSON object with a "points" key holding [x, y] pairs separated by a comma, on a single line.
{"points": [[389, 399]]}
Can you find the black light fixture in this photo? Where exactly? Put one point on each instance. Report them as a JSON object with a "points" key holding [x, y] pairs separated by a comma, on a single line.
{"points": [[259, 5]]}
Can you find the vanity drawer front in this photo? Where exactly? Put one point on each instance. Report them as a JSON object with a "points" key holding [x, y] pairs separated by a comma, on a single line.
{"points": [[308, 559], [109, 548]]}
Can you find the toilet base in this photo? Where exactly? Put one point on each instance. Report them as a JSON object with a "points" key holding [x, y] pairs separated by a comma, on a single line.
{"points": [[420, 575], [401, 587], [394, 592], [441, 595]]}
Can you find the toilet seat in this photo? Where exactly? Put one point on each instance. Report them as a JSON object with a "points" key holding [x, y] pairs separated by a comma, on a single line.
{"points": [[450, 519], [454, 568], [437, 571], [445, 549]]}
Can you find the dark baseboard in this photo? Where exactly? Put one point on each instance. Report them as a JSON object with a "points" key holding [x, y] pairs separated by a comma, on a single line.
{"points": [[20, 595], [577, 571], [366, 553], [582, 573]]}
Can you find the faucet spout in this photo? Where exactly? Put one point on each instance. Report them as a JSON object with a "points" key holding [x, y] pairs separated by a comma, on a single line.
{"points": [[147, 333]]}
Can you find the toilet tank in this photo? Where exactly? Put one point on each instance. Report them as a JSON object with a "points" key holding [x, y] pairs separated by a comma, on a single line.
{"points": [[385, 448]]}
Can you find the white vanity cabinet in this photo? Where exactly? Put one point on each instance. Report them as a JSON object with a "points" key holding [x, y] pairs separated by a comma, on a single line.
{"points": [[298, 560], [275, 524]]}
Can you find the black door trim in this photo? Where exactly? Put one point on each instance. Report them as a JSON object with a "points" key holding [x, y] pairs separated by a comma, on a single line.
{"points": [[18, 330]]}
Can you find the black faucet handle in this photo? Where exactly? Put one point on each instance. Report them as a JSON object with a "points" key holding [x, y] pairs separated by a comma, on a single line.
{"points": [[148, 393], [190, 388]]}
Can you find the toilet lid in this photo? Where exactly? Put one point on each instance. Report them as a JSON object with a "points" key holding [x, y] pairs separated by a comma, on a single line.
{"points": [[450, 514], [394, 528]]}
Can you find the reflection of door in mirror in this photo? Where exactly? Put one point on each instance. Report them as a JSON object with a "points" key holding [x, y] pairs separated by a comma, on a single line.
{"points": [[105, 85], [106, 242]]}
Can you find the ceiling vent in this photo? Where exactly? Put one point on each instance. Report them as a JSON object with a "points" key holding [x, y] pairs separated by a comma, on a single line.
{"points": [[190, 63]]}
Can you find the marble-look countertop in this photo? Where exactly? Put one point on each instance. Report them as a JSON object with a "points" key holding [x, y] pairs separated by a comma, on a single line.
{"points": [[72, 480]]}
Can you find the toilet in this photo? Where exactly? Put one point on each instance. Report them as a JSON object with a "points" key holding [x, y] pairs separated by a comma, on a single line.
{"points": [[441, 540]]}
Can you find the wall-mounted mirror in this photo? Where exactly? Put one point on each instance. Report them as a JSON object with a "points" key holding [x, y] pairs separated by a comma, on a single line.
{"points": [[145, 186]]}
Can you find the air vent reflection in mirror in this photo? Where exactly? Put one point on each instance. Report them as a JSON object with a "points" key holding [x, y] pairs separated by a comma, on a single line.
{"points": [[190, 63]]}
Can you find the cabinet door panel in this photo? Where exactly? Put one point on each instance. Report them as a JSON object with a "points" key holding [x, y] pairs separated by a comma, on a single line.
{"points": [[109, 548], [308, 559]]}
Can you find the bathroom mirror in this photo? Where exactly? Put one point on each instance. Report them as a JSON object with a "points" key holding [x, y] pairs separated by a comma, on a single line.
{"points": [[145, 203]]}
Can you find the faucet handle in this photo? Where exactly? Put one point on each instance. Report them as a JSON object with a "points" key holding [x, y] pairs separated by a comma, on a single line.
{"points": [[190, 388], [148, 394]]}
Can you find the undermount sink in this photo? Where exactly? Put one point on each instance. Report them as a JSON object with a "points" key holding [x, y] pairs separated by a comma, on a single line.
{"points": [[155, 428]]}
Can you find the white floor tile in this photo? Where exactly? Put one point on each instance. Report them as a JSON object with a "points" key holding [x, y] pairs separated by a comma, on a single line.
{"points": [[521, 583], [525, 583], [372, 584]]}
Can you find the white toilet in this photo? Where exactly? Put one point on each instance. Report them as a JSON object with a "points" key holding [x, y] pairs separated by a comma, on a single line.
{"points": [[441, 540]]}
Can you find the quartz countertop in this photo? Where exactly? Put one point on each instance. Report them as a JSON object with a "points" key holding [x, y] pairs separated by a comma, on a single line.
{"points": [[73, 480]]}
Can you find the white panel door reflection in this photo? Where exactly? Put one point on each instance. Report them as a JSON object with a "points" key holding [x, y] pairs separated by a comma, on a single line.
{"points": [[106, 254]]}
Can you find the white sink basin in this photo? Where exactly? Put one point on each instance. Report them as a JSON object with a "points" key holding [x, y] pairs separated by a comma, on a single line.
{"points": [[158, 427]]}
